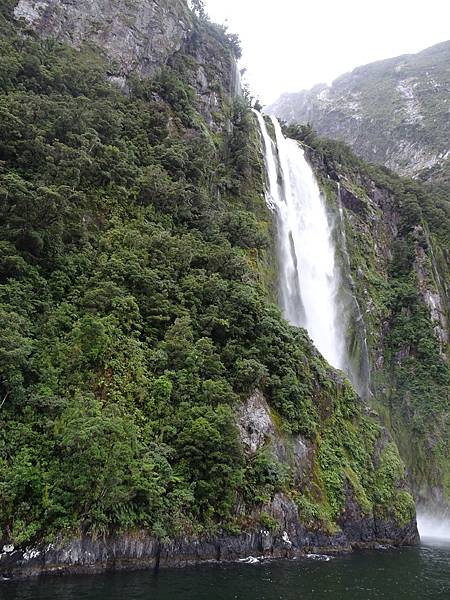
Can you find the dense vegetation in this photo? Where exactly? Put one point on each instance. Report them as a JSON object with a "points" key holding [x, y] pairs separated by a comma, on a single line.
{"points": [[413, 383], [135, 315]]}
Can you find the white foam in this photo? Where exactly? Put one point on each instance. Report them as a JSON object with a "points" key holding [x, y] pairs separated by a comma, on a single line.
{"points": [[249, 560], [433, 526]]}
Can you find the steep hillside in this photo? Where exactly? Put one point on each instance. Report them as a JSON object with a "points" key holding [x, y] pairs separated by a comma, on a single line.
{"points": [[138, 38], [397, 243], [155, 408], [394, 112]]}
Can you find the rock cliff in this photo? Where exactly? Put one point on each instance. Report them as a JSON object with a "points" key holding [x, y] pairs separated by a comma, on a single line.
{"points": [[139, 38], [393, 112], [155, 406]]}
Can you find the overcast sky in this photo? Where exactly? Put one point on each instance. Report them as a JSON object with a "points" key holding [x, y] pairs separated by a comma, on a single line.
{"points": [[289, 45]]}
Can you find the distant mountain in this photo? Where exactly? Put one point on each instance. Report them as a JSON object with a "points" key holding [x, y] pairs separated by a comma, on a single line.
{"points": [[394, 112]]}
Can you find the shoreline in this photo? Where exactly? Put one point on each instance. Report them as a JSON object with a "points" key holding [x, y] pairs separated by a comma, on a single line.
{"points": [[139, 551]]}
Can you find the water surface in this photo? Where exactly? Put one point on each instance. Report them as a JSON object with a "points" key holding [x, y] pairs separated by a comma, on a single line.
{"points": [[421, 573]]}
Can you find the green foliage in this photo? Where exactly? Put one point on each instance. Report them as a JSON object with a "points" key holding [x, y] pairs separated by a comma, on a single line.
{"points": [[211, 458], [387, 497], [130, 317], [313, 514], [268, 522], [264, 477], [132, 311], [414, 378], [390, 469], [302, 133]]}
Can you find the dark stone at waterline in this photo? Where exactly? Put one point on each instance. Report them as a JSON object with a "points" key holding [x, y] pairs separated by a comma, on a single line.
{"points": [[141, 551]]}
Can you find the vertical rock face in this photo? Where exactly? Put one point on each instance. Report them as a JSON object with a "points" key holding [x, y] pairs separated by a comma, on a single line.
{"points": [[138, 38], [434, 291], [400, 268]]}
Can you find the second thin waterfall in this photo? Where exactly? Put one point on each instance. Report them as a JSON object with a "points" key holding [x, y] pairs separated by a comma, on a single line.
{"points": [[310, 280]]}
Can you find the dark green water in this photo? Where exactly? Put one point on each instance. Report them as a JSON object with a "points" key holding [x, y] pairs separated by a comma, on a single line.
{"points": [[405, 574]]}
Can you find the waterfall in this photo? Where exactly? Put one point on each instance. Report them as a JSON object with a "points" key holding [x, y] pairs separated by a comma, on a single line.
{"points": [[313, 291], [236, 83]]}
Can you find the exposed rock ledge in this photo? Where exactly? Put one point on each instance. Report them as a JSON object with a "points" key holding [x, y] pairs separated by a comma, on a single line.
{"points": [[141, 551], [289, 539], [138, 38]]}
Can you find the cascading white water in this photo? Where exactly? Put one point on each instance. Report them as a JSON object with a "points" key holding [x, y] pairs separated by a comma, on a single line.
{"points": [[315, 292], [309, 275]]}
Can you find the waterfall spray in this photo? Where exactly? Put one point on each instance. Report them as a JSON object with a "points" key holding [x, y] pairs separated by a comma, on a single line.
{"points": [[434, 526]]}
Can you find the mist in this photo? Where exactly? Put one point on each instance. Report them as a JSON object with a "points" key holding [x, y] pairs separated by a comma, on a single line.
{"points": [[289, 46], [433, 526]]}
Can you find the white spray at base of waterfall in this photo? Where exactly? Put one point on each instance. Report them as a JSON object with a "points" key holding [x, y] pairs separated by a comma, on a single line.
{"points": [[432, 526]]}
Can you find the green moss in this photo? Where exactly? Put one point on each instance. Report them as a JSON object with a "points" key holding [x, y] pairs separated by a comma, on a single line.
{"points": [[276, 420], [404, 507], [314, 515], [359, 491], [268, 522]]}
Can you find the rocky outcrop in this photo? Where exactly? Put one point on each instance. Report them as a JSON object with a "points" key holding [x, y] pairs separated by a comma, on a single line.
{"points": [[258, 430], [351, 201], [255, 422], [138, 38], [392, 112], [86, 554]]}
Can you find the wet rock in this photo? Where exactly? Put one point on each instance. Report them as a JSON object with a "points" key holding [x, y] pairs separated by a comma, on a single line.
{"points": [[254, 422], [352, 202], [139, 38], [142, 551]]}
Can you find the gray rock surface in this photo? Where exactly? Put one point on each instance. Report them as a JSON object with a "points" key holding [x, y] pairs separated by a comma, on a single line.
{"points": [[140, 37], [255, 422], [393, 112], [258, 430], [86, 554]]}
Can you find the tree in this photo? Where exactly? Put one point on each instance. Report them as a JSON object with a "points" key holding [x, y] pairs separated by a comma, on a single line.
{"points": [[198, 6]]}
